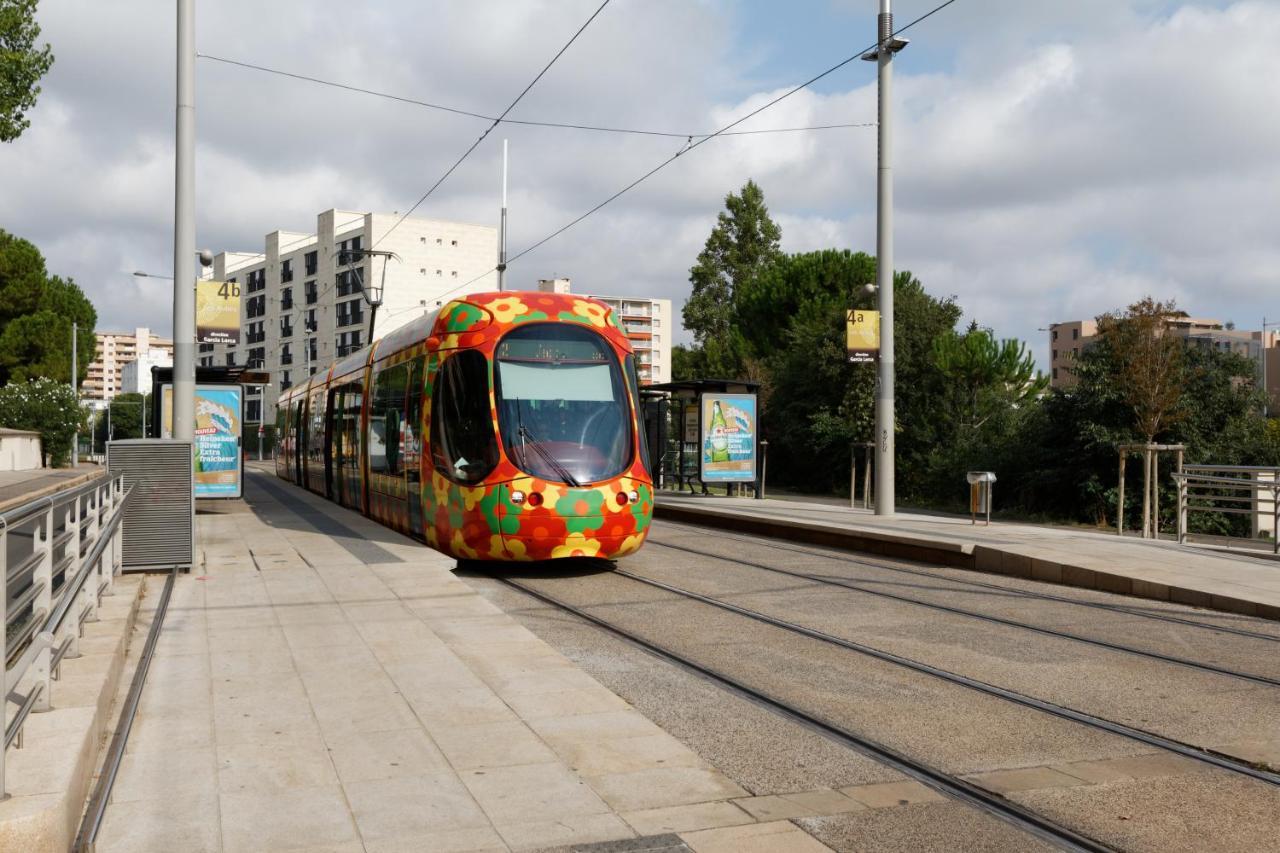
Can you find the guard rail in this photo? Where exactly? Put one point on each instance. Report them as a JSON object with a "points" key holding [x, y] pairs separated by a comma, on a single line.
{"points": [[1252, 490], [59, 555]]}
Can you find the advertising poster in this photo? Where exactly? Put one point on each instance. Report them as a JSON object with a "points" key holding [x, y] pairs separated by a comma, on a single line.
{"points": [[691, 424], [219, 424], [862, 335], [217, 312], [728, 438]]}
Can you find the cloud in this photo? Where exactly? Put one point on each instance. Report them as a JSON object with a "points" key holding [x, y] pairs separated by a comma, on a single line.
{"points": [[1072, 158]]}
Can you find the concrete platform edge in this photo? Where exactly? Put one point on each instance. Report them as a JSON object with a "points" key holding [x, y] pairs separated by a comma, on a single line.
{"points": [[978, 558]]}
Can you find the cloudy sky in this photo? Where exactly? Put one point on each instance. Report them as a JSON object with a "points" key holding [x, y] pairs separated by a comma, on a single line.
{"points": [[1053, 160]]}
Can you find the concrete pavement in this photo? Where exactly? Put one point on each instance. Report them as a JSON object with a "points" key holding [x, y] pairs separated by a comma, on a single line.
{"points": [[1152, 569], [323, 683]]}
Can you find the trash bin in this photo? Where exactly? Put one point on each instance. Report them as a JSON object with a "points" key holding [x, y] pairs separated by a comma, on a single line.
{"points": [[980, 494]]}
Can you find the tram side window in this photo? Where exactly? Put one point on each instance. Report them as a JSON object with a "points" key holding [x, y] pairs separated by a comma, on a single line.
{"points": [[349, 426], [464, 444], [634, 385], [386, 421], [315, 434], [412, 442]]}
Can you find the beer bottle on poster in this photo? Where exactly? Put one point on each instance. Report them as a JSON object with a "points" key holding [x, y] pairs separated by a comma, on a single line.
{"points": [[719, 435]]}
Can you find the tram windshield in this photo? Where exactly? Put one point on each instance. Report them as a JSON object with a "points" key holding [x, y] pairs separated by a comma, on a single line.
{"points": [[562, 404]]}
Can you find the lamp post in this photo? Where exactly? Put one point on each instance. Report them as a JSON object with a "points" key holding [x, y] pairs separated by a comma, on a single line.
{"points": [[886, 46], [75, 436]]}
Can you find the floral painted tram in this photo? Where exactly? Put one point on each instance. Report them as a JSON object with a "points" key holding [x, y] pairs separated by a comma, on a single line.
{"points": [[504, 426]]}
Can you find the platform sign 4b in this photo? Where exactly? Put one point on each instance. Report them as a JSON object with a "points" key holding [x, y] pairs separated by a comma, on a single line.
{"points": [[862, 335]]}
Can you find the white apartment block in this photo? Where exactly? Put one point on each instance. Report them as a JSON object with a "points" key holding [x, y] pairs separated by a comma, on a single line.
{"points": [[135, 376], [300, 309], [647, 323], [115, 349]]}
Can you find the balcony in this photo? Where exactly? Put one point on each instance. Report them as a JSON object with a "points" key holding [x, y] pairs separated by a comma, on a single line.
{"points": [[312, 296], [255, 337], [286, 304], [286, 358]]}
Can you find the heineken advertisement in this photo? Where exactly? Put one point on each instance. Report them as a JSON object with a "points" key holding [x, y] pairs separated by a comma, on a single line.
{"points": [[728, 438], [219, 423]]}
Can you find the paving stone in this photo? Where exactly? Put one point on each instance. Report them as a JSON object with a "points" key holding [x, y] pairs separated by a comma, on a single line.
{"points": [[686, 817], [531, 792], [413, 806], [664, 786], [153, 825], [367, 756], [292, 763], [480, 839], [575, 830], [265, 819], [777, 836], [492, 745], [888, 794], [182, 774], [625, 755]]}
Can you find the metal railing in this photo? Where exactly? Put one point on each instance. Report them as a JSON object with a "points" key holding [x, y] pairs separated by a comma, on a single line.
{"points": [[1252, 490], [58, 554]]}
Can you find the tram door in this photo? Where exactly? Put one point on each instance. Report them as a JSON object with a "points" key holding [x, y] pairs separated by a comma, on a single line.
{"points": [[413, 444], [297, 446], [331, 443]]}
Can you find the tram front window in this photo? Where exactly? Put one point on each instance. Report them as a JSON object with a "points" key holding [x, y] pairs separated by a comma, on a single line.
{"points": [[562, 404]]}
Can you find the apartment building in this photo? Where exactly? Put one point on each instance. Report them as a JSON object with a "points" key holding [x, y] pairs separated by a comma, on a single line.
{"points": [[302, 303], [115, 349], [1068, 340], [647, 323]]}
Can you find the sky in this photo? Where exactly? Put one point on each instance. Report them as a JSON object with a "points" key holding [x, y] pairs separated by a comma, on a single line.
{"points": [[1052, 161]]}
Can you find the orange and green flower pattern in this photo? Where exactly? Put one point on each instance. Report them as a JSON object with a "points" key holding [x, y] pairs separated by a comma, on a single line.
{"points": [[482, 522]]}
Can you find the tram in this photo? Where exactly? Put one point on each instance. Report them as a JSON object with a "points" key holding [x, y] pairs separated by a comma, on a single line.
{"points": [[504, 426]]}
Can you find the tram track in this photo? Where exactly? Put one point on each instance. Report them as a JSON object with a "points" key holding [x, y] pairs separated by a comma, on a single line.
{"points": [[947, 784], [854, 586], [1021, 593]]}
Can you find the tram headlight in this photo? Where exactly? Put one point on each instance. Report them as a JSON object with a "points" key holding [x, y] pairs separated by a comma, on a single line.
{"points": [[634, 496], [517, 497]]}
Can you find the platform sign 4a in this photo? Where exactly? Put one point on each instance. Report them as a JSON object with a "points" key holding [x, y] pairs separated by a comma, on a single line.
{"points": [[728, 438], [862, 335]]}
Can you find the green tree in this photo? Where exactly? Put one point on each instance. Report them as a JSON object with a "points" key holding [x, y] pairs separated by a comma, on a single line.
{"points": [[1148, 365], [125, 419], [22, 64], [36, 313], [743, 242], [989, 375], [45, 406]]}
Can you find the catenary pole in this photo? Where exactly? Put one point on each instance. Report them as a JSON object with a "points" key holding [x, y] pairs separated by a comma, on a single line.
{"points": [[884, 468], [502, 225], [76, 393], [184, 229]]}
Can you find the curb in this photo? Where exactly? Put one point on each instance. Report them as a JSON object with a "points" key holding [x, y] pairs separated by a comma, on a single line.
{"points": [[961, 555]]}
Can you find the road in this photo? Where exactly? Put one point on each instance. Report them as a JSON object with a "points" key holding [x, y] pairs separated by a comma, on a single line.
{"points": [[1102, 715]]}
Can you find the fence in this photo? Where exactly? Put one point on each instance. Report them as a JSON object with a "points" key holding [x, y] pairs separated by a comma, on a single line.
{"points": [[1252, 490], [58, 555]]}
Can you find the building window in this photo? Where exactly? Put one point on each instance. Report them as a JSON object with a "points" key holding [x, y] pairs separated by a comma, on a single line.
{"points": [[309, 261], [1055, 334], [253, 411], [312, 294], [286, 327], [439, 272], [286, 299], [256, 281], [439, 241], [231, 359], [349, 251], [453, 242], [1075, 334], [286, 357], [1055, 373], [454, 273], [1055, 355], [286, 270]]}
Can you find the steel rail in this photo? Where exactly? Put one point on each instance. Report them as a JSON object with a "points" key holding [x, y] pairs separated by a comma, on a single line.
{"points": [[936, 779], [852, 586], [97, 808], [1091, 720], [1047, 596]]}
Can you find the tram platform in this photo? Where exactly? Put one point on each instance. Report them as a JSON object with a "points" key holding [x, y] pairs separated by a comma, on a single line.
{"points": [[1201, 576], [323, 683]]}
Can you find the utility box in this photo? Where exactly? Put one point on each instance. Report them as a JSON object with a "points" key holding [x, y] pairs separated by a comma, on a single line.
{"points": [[980, 494], [159, 524]]}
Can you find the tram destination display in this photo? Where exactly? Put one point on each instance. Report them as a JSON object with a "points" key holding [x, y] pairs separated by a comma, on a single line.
{"points": [[219, 424], [862, 335], [728, 438]]}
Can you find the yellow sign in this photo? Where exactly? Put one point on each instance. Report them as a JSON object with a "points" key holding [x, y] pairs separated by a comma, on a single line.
{"points": [[217, 312], [862, 335]]}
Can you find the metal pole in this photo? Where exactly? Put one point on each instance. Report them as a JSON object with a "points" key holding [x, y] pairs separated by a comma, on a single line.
{"points": [[884, 469], [76, 393], [184, 229], [1120, 499], [502, 225]]}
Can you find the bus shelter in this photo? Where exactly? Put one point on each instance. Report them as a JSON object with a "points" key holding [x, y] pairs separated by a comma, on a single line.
{"points": [[703, 432]]}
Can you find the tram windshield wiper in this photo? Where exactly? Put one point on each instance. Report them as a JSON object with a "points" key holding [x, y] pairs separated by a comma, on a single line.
{"points": [[527, 440]]}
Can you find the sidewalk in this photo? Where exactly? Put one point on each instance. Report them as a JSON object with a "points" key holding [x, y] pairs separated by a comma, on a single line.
{"points": [[324, 683], [18, 487], [1152, 569]]}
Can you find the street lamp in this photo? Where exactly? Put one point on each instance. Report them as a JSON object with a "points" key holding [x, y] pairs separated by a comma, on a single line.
{"points": [[141, 274]]}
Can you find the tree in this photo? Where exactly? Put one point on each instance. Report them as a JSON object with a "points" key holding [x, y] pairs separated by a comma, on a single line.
{"points": [[991, 375], [125, 418], [22, 65], [36, 313], [1147, 363], [45, 406], [743, 242]]}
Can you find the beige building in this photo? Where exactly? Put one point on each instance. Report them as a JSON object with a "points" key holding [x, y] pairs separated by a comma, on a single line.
{"points": [[1068, 340], [115, 349], [647, 323], [301, 302]]}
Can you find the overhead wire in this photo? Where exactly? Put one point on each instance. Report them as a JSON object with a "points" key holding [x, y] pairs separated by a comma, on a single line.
{"points": [[525, 122], [494, 124], [690, 145]]}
